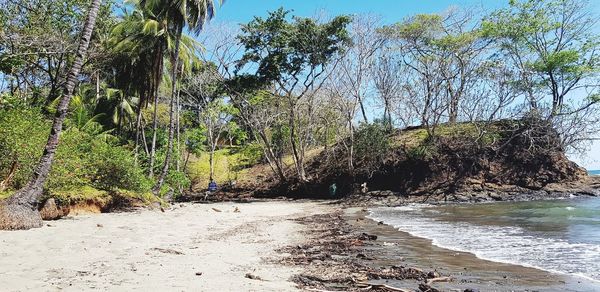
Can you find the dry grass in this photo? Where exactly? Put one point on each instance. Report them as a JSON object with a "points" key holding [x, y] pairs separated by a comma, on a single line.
{"points": [[225, 170]]}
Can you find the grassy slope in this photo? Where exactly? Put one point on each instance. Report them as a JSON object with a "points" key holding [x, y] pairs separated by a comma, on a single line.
{"points": [[225, 168]]}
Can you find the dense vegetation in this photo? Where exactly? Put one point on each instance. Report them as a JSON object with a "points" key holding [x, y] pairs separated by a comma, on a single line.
{"points": [[154, 100]]}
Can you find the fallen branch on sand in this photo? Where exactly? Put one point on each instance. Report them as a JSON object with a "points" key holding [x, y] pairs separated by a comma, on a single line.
{"points": [[253, 277], [166, 250], [438, 279]]}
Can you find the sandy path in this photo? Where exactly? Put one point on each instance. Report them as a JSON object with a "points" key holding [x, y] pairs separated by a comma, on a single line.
{"points": [[155, 251]]}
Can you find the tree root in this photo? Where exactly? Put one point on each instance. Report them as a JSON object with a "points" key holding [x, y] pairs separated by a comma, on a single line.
{"points": [[19, 217]]}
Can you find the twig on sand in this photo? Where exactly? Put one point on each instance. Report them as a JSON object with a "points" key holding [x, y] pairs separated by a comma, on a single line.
{"points": [[166, 250], [253, 277], [383, 287], [438, 279]]}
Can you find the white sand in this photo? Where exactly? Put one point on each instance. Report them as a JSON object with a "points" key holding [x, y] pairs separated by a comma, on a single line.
{"points": [[122, 251]]}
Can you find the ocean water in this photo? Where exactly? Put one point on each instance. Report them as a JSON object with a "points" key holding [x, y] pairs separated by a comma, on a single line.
{"points": [[594, 172], [561, 236]]}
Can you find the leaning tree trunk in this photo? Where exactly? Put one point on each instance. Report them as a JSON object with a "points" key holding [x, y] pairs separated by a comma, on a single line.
{"points": [[20, 210], [175, 64]]}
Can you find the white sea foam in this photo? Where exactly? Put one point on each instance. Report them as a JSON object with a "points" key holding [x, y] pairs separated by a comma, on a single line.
{"points": [[506, 244]]}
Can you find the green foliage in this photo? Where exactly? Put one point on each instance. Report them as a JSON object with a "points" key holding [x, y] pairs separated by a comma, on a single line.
{"points": [[284, 48], [251, 154], [229, 165], [83, 193], [23, 133], [424, 151], [371, 142], [553, 39], [83, 159], [195, 140], [177, 180], [116, 169]]}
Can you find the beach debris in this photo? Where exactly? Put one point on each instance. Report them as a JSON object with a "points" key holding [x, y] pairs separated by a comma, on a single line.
{"points": [[427, 288], [382, 287], [236, 210], [365, 236], [198, 273], [216, 210], [439, 279], [99, 225], [364, 257], [167, 250], [253, 277]]}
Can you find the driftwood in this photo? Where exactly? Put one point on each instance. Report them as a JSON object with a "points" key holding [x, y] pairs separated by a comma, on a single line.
{"points": [[438, 279], [253, 277], [166, 250], [385, 288]]}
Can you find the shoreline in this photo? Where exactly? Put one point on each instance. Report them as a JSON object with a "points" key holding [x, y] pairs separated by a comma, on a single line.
{"points": [[339, 245], [404, 234], [259, 245], [480, 273]]}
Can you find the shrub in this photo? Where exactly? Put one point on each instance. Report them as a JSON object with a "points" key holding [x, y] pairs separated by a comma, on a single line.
{"points": [[86, 160], [371, 142], [250, 154], [23, 134], [116, 169], [83, 159]]}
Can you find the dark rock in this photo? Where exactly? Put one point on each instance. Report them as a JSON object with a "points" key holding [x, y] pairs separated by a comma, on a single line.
{"points": [[365, 236], [50, 211]]}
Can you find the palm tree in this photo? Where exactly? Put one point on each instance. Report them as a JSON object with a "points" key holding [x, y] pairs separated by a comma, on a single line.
{"points": [[19, 211], [192, 14], [143, 38]]}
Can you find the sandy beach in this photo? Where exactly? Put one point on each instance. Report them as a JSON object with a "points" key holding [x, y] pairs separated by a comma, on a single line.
{"points": [[241, 247], [192, 247]]}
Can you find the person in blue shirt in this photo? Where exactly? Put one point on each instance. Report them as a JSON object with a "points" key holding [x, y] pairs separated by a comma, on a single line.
{"points": [[212, 186]]}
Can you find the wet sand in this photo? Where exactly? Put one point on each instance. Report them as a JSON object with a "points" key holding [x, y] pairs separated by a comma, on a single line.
{"points": [[400, 248]]}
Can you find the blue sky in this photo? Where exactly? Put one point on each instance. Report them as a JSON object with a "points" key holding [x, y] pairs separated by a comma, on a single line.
{"points": [[391, 11], [241, 11]]}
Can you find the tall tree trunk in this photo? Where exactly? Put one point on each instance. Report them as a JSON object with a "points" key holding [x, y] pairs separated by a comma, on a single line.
{"points": [[154, 129], [20, 210], [174, 71], [298, 158], [362, 108], [211, 161], [138, 125], [156, 74], [97, 86], [178, 128]]}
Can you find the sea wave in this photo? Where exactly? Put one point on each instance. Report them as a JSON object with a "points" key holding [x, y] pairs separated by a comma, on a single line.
{"points": [[505, 244]]}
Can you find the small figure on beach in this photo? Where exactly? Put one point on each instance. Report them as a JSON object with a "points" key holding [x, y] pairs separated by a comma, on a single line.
{"points": [[212, 186], [363, 188], [332, 190]]}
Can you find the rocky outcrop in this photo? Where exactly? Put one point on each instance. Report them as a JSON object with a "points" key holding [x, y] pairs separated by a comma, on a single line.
{"points": [[511, 160]]}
